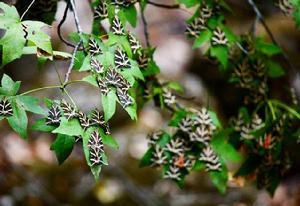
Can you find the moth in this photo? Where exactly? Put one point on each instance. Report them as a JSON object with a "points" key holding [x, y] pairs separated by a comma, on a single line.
{"points": [[94, 47], [96, 148], [158, 156], [194, 28], [201, 135], [102, 85], [54, 115], [212, 161], [219, 37], [5, 108], [203, 118], [286, 7], [101, 10], [186, 125], [124, 85], [121, 59], [134, 44], [112, 77], [69, 111], [143, 60], [175, 146], [169, 98], [96, 65], [117, 27], [97, 118], [206, 12], [124, 98], [154, 137], [173, 173], [83, 120]]}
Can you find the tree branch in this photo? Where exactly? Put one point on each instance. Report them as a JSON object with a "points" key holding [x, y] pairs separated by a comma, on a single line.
{"points": [[263, 22], [79, 30], [60, 25], [174, 6], [146, 33]]}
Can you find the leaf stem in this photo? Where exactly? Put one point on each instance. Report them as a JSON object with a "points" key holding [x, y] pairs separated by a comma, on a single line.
{"points": [[40, 89], [272, 110], [52, 87]]}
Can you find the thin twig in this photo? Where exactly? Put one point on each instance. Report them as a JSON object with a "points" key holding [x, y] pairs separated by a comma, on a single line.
{"points": [[60, 25], [174, 6], [76, 17], [263, 22], [67, 76], [27, 9], [79, 30], [146, 33]]}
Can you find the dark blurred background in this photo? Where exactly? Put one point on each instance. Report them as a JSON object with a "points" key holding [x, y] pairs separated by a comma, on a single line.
{"points": [[31, 176]]}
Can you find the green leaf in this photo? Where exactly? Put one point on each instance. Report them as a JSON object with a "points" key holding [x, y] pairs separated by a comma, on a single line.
{"points": [[223, 148], [31, 104], [79, 59], [219, 179], [135, 70], [175, 86], [274, 69], [215, 119], [62, 146], [131, 15], [96, 169], [267, 48], [9, 87], [163, 140], [221, 53], [132, 111], [86, 65], [109, 104], [202, 38], [37, 37], [18, 121], [109, 140], [198, 166], [152, 69], [41, 125], [91, 80], [188, 3], [146, 159], [13, 41], [249, 165], [296, 15], [125, 45], [71, 127], [177, 117]]}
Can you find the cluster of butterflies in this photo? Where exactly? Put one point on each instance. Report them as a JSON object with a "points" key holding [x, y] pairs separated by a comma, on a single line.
{"points": [[111, 77], [193, 132], [250, 72], [95, 118], [117, 28], [5, 108], [71, 112], [199, 23], [101, 11], [266, 143]]}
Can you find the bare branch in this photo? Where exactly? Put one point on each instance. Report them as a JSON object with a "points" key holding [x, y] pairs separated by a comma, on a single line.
{"points": [[263, 22], [146, 33], [79, 30], [174, 6], [60, 25]]}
